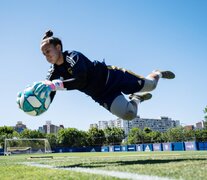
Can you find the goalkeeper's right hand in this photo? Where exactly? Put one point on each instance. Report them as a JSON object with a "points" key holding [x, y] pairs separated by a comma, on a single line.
{"points": [[48, 86]]}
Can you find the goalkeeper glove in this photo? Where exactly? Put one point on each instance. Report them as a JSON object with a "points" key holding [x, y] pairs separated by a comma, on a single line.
{"points": [[19, 94], [42, 93], [45, 87]]}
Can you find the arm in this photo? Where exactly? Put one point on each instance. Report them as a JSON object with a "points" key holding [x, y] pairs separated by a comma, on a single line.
{"points": [[79, 66]]}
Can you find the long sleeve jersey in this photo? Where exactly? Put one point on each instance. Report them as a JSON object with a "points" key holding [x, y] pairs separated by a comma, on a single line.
{"points": [[89, 77]]}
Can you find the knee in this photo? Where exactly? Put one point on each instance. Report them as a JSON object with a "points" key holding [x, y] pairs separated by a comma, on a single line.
{"points": [[130, 112], [129, 115], [125, 115], [123, 109]]}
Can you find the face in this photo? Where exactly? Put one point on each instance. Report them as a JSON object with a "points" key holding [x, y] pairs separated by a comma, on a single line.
{"points": [[52, 53]]}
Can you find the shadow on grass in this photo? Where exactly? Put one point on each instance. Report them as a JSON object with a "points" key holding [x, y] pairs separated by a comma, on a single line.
{"points": [[125, 163]]}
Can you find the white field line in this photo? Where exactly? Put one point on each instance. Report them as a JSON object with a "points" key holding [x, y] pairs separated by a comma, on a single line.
{"points": [[116, 174]]}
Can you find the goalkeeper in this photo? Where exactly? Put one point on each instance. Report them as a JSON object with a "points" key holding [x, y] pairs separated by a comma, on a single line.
{"points": [[103, 83]]}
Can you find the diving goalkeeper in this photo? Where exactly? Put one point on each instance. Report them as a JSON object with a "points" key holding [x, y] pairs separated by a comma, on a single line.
{"points": [[105, 84]]}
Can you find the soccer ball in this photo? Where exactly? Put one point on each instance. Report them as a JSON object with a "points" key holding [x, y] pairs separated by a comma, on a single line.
{"points": [[33, 104]]}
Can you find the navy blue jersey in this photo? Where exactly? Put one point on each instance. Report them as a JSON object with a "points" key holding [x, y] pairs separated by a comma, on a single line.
{"points": [[101, 82], [90, 77]]}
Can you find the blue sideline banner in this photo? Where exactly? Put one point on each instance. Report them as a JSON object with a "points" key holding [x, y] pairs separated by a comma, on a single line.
{"points": [[139, 147], [111, 148], [117, 148], [124, 148], [1, 151], [202, 146], [104, 149], [190, 146], [147, 147], [178, 146], [157, 147], [166, 146], [131, 147]]}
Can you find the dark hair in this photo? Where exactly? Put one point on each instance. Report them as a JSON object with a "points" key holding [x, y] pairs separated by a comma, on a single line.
{"points": [[51, 40]]}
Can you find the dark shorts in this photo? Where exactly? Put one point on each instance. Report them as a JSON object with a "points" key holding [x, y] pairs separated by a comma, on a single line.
{"points": [[119, 82]]}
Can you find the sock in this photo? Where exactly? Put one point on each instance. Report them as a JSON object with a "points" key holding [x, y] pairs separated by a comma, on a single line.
{"points": [[137, 101], [158, 73]]}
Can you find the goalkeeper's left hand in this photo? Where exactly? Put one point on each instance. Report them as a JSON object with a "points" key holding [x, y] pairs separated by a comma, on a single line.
{"points": [[19, 94], [45, 87]]}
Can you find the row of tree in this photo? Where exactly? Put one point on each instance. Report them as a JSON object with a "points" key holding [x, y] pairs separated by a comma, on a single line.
{"points": [[68, 137], [72, 137]]}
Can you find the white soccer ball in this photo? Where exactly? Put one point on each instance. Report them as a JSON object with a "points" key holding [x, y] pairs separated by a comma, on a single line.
{"points": [[32, 104]]}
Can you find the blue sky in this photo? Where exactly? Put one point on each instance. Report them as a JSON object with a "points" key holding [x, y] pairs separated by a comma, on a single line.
{"points": [[139, 35]]}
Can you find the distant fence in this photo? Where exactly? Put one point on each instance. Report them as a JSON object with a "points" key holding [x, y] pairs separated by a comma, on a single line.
{"points": [[171, 146], [1, 151], [77, 149]]}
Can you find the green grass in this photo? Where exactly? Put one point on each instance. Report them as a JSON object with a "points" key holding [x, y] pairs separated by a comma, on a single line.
{"points": [[187, 165]]}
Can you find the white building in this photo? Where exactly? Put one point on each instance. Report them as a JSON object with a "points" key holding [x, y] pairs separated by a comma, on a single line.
{"points": [[200, 125], [50, 128], [162, 124], [102, 125]]}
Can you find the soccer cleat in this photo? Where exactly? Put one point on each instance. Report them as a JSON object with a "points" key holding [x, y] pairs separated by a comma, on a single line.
{"points": [[141, 97], [167, 74]]}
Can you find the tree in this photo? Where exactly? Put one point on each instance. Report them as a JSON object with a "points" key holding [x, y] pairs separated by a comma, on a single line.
{"points": [[71, 137], [201, 135], [136, 136], [155, 137], [147, 135], [6, 132], [27, 133], [204, 135], [189, 135], [176, 134], [147, 130], [114, 135], [83, 139], [96, 137], [164, 137], [52, 139], [198, 135], [205, 117]]}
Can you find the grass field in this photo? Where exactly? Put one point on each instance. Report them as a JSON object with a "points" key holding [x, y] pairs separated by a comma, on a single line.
{"points": [[189, 165]]}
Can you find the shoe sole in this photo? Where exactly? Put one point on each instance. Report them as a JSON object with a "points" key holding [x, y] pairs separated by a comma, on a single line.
{"points": [[143, 97], [146, 96], [167, 74]]}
